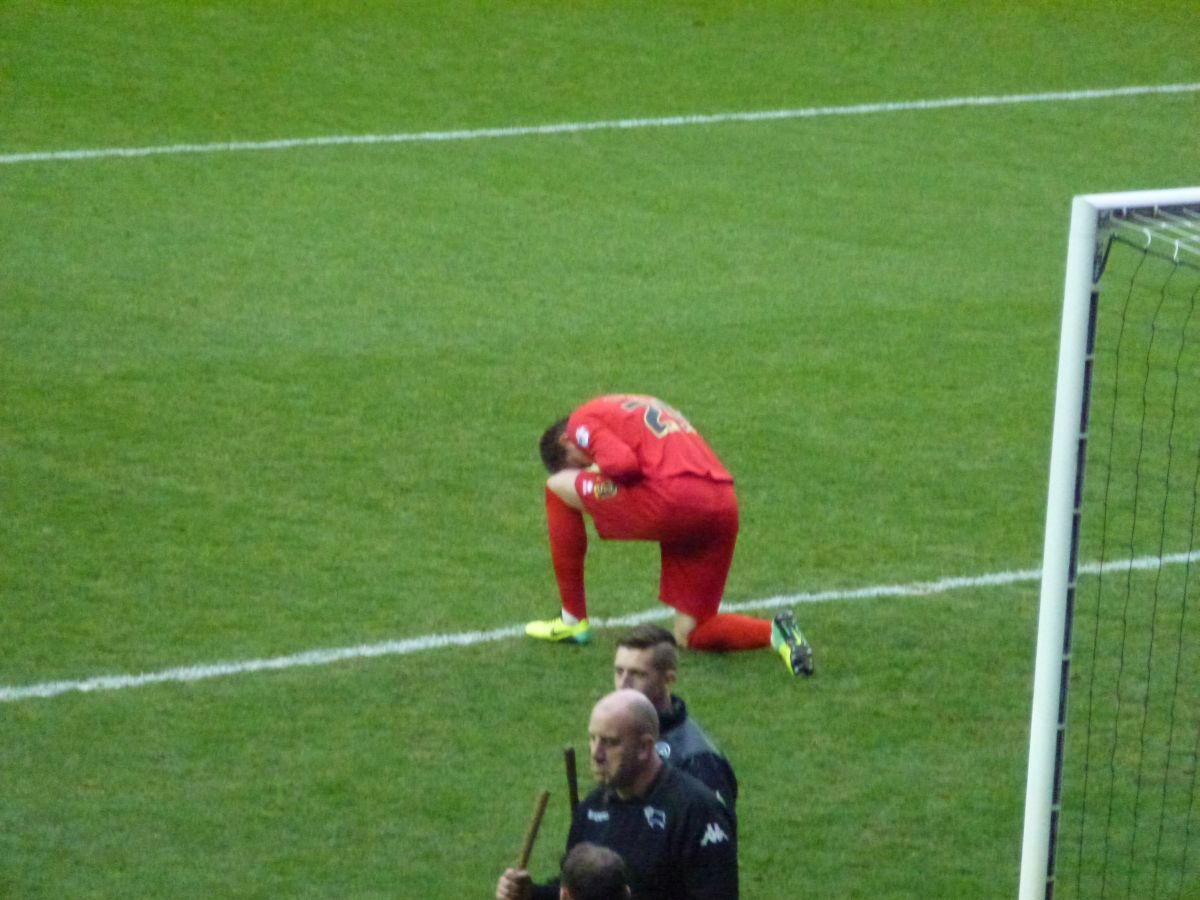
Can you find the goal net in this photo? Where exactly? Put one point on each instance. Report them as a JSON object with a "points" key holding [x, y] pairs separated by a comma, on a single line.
{"points": [[1111, 797]]}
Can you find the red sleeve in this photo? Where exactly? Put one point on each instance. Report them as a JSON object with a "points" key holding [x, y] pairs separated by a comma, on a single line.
{"points": [[615, 458]]}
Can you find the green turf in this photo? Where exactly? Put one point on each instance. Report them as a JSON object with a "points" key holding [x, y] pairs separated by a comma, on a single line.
{"points": [[256, 403]]}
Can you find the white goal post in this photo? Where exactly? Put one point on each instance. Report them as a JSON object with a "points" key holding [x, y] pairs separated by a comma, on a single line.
{"points": [[1089, 213]]}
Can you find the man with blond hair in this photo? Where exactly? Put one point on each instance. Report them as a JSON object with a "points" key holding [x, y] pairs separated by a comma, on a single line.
{"points": [[647, 660]]}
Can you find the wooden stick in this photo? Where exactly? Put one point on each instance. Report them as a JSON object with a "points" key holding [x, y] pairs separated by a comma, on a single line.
{"points": [[535, 823], [572, 778]]}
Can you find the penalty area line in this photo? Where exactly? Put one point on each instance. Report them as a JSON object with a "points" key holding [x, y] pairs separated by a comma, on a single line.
{"points": [[470, 134], [202, 672]]}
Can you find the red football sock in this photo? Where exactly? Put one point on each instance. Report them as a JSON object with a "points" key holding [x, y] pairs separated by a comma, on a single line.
{"points": [[568, 547], [728, 631]]}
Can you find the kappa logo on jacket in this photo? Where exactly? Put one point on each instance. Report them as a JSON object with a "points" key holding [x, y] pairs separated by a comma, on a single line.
{"points": [[713, 834], [597, 815]]}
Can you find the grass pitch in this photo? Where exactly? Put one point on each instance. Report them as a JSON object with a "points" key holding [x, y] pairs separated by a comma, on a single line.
{"points": [[260, 402]]}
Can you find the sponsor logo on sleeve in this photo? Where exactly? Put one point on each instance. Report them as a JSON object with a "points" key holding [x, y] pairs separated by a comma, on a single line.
{"points": [[713, 834], [600, 488], [582, 436], [597, 815]]}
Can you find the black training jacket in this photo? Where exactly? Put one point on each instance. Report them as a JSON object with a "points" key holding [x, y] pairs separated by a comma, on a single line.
{"points": [[678, 841], [685, 745]]}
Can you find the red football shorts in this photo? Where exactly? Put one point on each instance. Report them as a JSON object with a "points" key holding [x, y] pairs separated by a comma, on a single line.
{"points": [[694, 520]]}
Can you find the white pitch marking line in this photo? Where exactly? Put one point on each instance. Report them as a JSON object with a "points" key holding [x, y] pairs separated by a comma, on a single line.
{"points": [[202, 672], [609, 125]]}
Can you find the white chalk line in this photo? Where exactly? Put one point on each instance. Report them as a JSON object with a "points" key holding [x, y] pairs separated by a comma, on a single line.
{"points": [[326, 657], [607, 125]]}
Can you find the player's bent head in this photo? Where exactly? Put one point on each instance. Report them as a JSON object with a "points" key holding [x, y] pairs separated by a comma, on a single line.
{"points": [[551, 448], [592, 872]]}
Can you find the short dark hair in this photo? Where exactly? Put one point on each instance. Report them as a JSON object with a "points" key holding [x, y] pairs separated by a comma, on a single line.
{"points": [[665, 656], [554, 454], [592, 872]]}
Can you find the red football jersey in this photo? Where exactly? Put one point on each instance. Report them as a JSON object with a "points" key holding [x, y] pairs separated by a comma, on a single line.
{"points": [[631, 436]]}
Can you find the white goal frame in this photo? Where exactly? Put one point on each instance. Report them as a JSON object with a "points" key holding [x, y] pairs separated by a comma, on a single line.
{"points": [[1048, 715]]}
